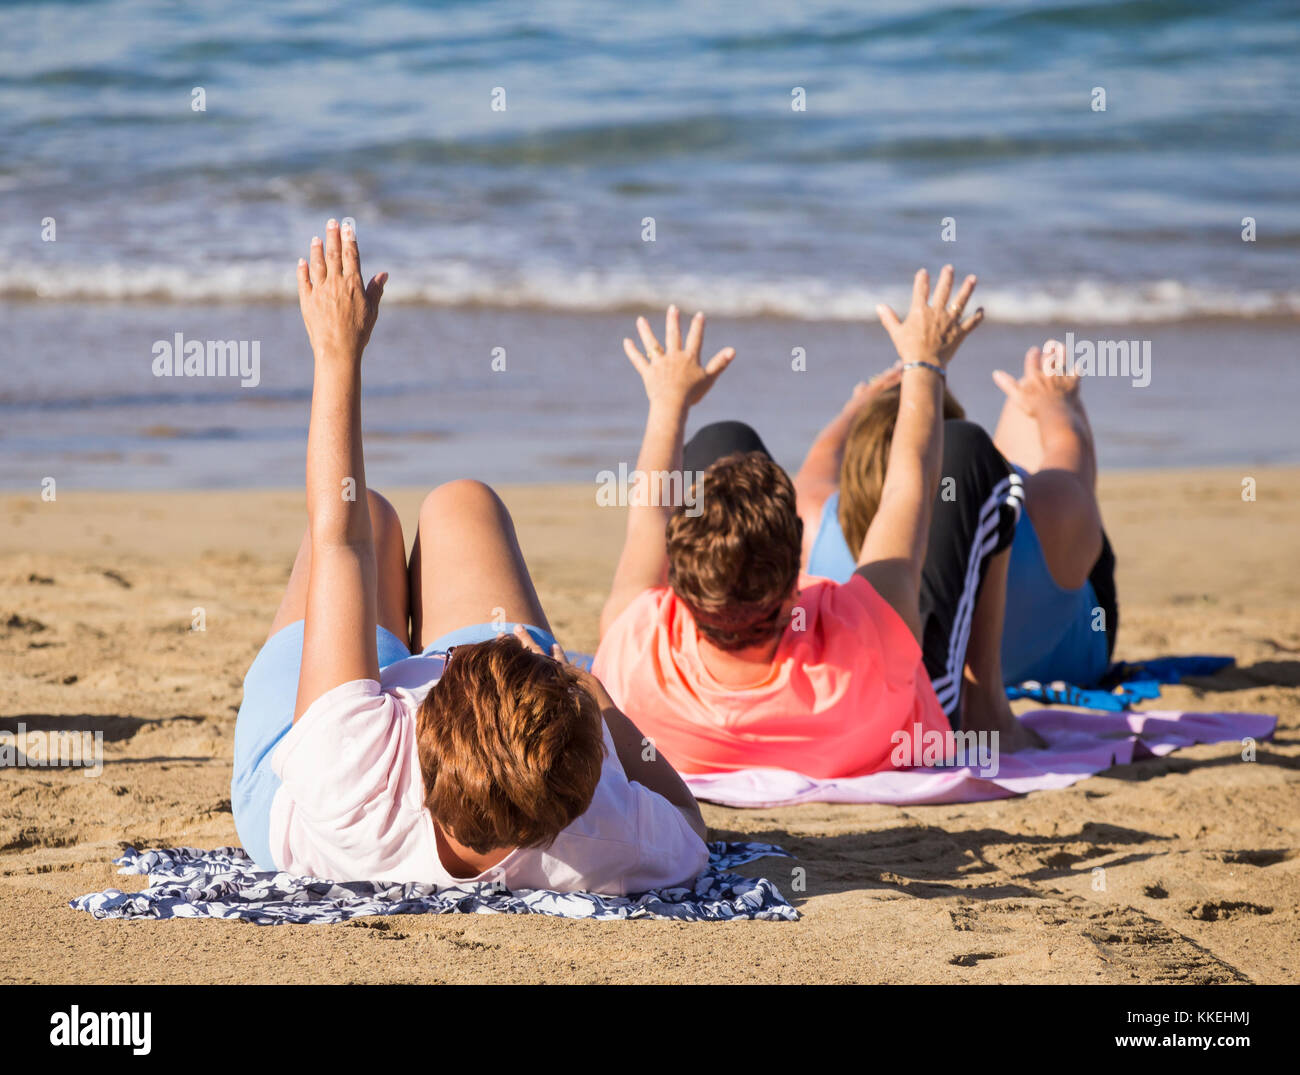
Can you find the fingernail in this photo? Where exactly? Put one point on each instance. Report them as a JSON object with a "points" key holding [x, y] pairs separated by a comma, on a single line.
{"points": [[302, 262], [347, 231], [315, 240], [331, 223]]}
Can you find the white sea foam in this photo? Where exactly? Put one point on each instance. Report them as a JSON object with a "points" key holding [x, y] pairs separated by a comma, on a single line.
{"points": [[450, 284]]}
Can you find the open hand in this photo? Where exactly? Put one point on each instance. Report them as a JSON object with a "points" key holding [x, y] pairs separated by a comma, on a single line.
{"points": [[338, 309], [932, 331], [1048, 383], [864, 392], [674, 374]]}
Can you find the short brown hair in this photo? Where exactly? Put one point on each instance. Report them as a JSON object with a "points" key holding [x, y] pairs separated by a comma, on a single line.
{"points": [[866, 457], [734, 564], [510, 745]]}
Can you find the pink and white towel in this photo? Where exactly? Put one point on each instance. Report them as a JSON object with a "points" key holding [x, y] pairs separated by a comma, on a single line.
{"points": [[1079, 745]]}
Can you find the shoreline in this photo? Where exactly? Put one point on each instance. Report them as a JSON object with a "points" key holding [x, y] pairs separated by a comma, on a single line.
{"points": [[86, 408], [405, 490]]}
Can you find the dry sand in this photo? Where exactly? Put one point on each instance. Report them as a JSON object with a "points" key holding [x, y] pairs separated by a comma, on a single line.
{"points": [[1202, 878]]}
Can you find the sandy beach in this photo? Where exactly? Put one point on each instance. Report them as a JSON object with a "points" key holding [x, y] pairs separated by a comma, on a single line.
{"points": [[98, 593]]}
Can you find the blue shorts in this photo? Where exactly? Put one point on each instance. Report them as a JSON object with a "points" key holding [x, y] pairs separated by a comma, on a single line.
{"points": [[266, 715]]}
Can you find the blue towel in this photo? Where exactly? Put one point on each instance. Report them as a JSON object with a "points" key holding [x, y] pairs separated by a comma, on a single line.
{"points": [[188, 883], [1126, 683]]}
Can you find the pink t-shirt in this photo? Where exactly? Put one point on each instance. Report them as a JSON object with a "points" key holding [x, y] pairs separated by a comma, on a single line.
{"points": [[846, 676], [351, 806]]}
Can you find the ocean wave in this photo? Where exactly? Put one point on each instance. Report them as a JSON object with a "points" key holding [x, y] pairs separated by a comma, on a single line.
{"points": [[559, 289]]}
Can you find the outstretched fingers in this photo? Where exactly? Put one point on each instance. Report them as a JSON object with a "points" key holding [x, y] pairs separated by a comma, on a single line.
{"points": [[969, 324], [351, 255], [889, 320], [638, 360], [943, 288], [1009, 385], [920, 289], [317, 261], [719, 362], [648, 340], [333, 248], [695, 335], [963, 296], [1034, 362], [672, 329]]}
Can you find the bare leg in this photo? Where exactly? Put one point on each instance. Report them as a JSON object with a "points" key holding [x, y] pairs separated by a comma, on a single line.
{"points": [[390, 561], [466, 565], [819, 477], [1018, 439], [1044, 429], [984, 705]]}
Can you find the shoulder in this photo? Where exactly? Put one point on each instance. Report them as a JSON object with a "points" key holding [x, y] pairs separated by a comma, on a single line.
{"points": [[353, 726], [636, 626]]}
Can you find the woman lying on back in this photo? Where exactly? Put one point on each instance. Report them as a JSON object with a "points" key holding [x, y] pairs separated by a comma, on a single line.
{"points": [[482, 758], [729, 659]]}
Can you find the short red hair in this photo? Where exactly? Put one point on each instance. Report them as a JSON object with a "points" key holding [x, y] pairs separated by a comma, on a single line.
{"points": [[510, 745]]}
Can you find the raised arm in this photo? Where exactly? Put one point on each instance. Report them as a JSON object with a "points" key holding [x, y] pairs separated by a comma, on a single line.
{"points": [[339, 311], [674, 382], [819, 477], [894, 549]]}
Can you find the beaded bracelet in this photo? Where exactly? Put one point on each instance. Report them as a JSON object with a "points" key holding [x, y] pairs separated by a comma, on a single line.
{"points": [[926, 366]]}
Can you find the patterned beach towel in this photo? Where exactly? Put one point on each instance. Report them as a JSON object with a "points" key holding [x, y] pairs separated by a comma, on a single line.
{"points": [[188, 883]]}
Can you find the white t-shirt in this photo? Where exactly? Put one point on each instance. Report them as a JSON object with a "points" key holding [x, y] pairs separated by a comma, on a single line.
{"points": [[351, 805]]}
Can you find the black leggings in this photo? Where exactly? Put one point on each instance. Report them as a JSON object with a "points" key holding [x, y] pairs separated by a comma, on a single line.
{"points": [[974, 519]]}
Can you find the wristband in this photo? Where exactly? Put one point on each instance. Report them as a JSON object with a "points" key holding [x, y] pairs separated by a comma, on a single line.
{"points": [[926, 366]]}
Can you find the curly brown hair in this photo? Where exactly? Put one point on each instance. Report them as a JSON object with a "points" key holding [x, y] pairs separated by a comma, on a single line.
{"points": [[866, 457], [734, 564], [510, 745]]}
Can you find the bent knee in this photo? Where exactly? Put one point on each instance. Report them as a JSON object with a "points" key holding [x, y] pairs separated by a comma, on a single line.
{"points": [[458, 497], [384, 520], [1068, 523]]}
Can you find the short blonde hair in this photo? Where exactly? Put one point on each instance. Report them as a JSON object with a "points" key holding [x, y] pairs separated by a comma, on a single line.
{"points": [[866, 457]]}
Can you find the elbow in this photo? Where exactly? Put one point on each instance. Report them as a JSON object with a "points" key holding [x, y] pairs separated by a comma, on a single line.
{"points": [[695, 820]]}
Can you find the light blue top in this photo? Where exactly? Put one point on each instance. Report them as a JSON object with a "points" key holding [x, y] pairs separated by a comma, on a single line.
{"points": [[1047, 631]]}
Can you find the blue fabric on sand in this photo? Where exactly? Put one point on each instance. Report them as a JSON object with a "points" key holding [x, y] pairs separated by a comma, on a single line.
{"points": [[266, 715], [225, 883], [1124, 684], [1047, 631]]}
